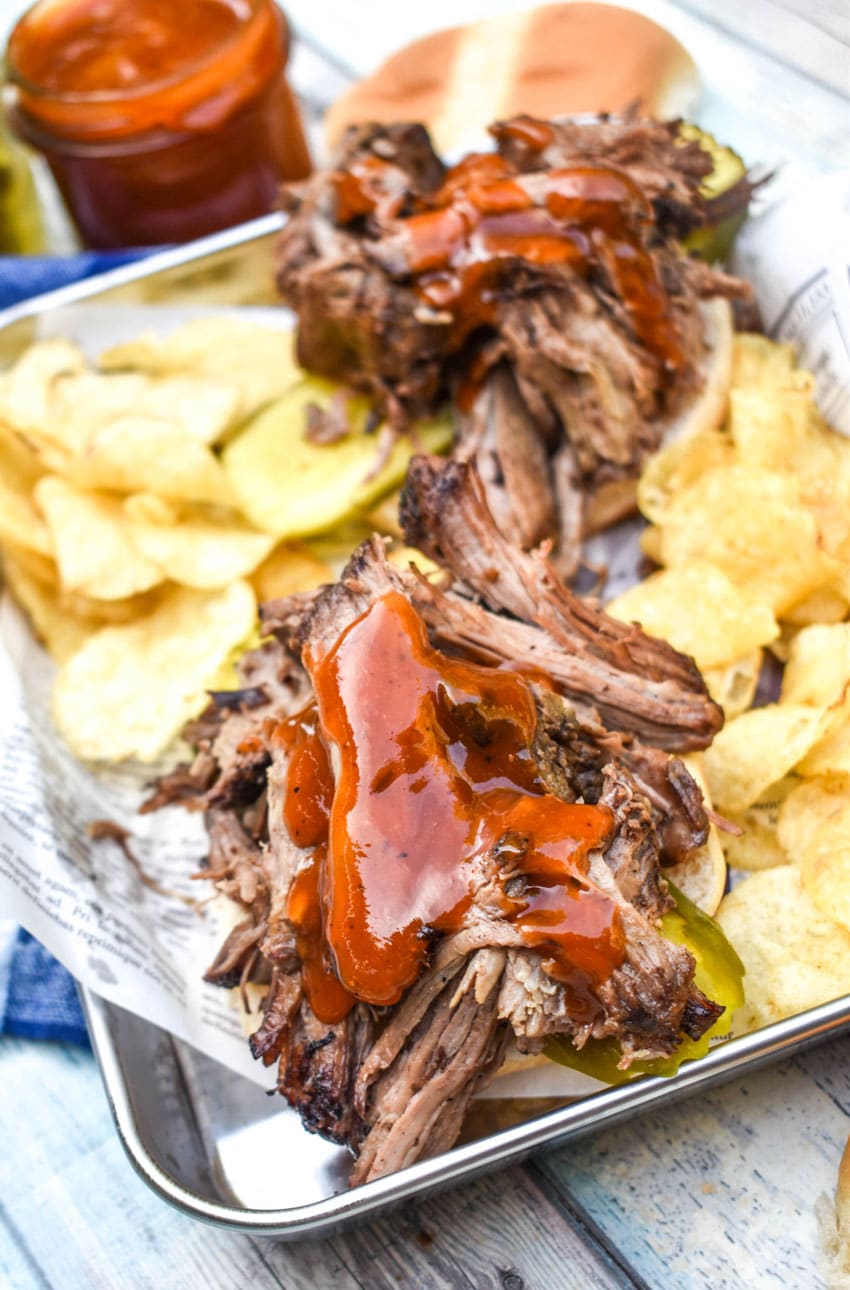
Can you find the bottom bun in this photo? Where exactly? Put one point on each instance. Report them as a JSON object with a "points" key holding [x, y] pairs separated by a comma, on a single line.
{"points": [[702, 877], [708, 409], [834, 1226], [616, 499]]}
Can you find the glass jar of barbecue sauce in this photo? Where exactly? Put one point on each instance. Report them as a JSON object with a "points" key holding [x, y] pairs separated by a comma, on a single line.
{"points": [[161, 120]]}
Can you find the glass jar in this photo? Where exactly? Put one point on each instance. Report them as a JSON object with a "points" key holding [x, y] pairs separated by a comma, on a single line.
{"points": [[161, 120]]}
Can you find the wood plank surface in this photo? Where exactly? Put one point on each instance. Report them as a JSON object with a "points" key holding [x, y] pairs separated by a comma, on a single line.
{"points": [[71, 1217], [720, 1190], [717, 1191]]}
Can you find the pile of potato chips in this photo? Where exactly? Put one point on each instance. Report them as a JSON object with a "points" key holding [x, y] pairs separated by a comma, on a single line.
{"points": [[751, 523], [148, 503]]}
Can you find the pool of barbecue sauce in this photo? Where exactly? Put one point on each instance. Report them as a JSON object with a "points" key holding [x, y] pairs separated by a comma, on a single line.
{"points": [[462, 241], [434, 774]]}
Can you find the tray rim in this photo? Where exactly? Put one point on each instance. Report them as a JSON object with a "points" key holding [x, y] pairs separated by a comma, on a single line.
{"points": [[597, 1110], [172, 257]]}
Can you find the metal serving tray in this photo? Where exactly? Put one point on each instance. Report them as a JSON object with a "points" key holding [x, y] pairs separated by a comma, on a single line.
{"points": [[207, 1140]]}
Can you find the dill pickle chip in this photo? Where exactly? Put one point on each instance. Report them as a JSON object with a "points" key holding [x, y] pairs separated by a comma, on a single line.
{"points": [[714, 240], [290, 486]]}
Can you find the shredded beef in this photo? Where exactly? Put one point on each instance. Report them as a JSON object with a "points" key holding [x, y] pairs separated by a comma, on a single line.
{"points": [[555, 344], [393, 1083], [638, 683]]}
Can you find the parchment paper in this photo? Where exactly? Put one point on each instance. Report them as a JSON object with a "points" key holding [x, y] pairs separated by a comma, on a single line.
{"points": [[146, 951], [797, 255]]}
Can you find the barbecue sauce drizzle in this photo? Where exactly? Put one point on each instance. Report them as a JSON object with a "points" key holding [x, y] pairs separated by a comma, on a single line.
{"points": [[437, 793], [461, 244]]}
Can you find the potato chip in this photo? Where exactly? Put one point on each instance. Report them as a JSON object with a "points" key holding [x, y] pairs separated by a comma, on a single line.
{"points": [[650, 543], [758, 845], [734, 684], [826, 605], [751, 524], [825, 868], [759, 362], [697, 609], [94, 551], [258, 362], [818, 666], [129, 690], [122, 610], [291, 567], [196, 553], [805, 809], [292, 487], [814, 827], [62, 633], [831, 754], [41, 567], [51, 397], [841, 583], [769, 428], [818, 672], [822, 470], [20, 520], [137, 454], [757, 749], [20, 462], [85, 402], [676, 467], [148, 508], [794, 957], [27, 389], [404, 556]]}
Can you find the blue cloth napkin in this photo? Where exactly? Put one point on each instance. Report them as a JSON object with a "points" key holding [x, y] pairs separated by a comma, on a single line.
{"points": [[22, 276], [38, 998]]}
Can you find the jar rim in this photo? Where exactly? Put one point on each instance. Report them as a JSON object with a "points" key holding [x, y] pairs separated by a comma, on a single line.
{"points": [[147, 89]]}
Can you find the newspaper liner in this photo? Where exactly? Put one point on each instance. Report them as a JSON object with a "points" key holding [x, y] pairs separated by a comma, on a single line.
{"points": [[797, 255], [146, 951]]}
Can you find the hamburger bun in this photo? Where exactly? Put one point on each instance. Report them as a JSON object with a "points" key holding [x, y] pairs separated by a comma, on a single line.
{"points": [[834, 1226], [556, 60]]}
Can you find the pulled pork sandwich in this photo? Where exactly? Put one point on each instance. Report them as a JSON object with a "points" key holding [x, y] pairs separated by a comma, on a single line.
{"points": [[543, 286], [445, 810]]}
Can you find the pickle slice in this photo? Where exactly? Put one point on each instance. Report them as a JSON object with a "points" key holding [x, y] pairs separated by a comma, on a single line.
{"points": [[292, 487], [719, 974], [714, 240]]}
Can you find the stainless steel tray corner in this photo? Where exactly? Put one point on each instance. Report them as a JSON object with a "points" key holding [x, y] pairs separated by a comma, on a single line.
{"points": [[187, 1122], [173, 1110]]}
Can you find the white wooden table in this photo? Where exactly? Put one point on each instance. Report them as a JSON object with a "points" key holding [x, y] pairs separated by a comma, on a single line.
{"points": [[717, 1191]]}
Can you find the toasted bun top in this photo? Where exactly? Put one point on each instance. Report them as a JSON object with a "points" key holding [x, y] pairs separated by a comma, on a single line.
{"points": [[552, 61]]}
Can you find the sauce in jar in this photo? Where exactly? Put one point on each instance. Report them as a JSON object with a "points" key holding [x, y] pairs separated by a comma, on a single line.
{"points": [[435, 790], [160, 121]]}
